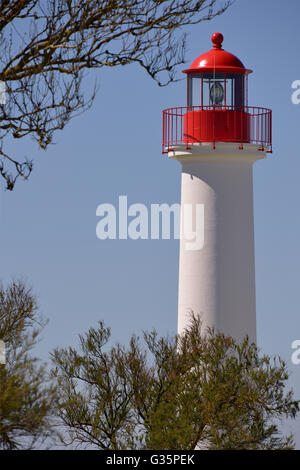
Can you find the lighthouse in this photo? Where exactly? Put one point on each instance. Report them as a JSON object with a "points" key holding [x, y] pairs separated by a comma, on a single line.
{"points": [[217, 138]]}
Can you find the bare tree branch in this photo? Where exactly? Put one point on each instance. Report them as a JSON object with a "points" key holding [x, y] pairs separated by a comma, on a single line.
{"points": [[46, 45]]}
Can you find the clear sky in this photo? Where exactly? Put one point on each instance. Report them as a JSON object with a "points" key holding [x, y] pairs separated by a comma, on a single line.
{"points": [[48, 224]]}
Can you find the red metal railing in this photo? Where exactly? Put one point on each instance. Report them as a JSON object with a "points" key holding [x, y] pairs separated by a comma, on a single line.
{"points": [[194, 124]]}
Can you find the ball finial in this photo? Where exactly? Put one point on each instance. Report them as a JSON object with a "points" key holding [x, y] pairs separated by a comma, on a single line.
{"points": [[217, 39]]}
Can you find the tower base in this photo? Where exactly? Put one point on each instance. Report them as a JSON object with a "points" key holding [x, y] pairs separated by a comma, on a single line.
{"points": [[217, 281]]}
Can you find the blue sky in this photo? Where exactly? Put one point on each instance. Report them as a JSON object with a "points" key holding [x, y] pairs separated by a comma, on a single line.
{"points": [[48, 224]]}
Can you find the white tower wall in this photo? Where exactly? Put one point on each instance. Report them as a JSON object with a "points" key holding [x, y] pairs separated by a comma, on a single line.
{"points": [[218, 281]]}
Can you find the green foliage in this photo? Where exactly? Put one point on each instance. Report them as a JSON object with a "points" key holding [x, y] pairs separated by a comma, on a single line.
{"points": [[26, 399], [200, 390]]}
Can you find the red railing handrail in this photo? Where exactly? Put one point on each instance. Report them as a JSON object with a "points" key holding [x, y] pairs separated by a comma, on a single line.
{"points": [[214, 106], [259, 132]]}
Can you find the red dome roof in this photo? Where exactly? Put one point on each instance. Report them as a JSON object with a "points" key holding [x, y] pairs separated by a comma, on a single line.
{"points": [[217, 60]]}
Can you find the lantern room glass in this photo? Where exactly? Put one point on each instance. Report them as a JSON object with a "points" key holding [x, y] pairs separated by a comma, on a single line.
{"points": [[218, 90]]}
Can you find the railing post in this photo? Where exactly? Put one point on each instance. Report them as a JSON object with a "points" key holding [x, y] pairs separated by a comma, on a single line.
{"points": [[163, 134]]}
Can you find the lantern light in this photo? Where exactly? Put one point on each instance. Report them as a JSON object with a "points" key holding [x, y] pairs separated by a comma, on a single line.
{"points": [[216, 94]]}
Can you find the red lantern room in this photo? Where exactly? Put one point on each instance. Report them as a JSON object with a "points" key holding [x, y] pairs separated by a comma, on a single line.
{"points": [[217, 105]]}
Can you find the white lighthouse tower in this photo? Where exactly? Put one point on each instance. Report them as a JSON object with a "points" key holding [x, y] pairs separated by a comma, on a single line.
{"points": [[217, 137]]}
